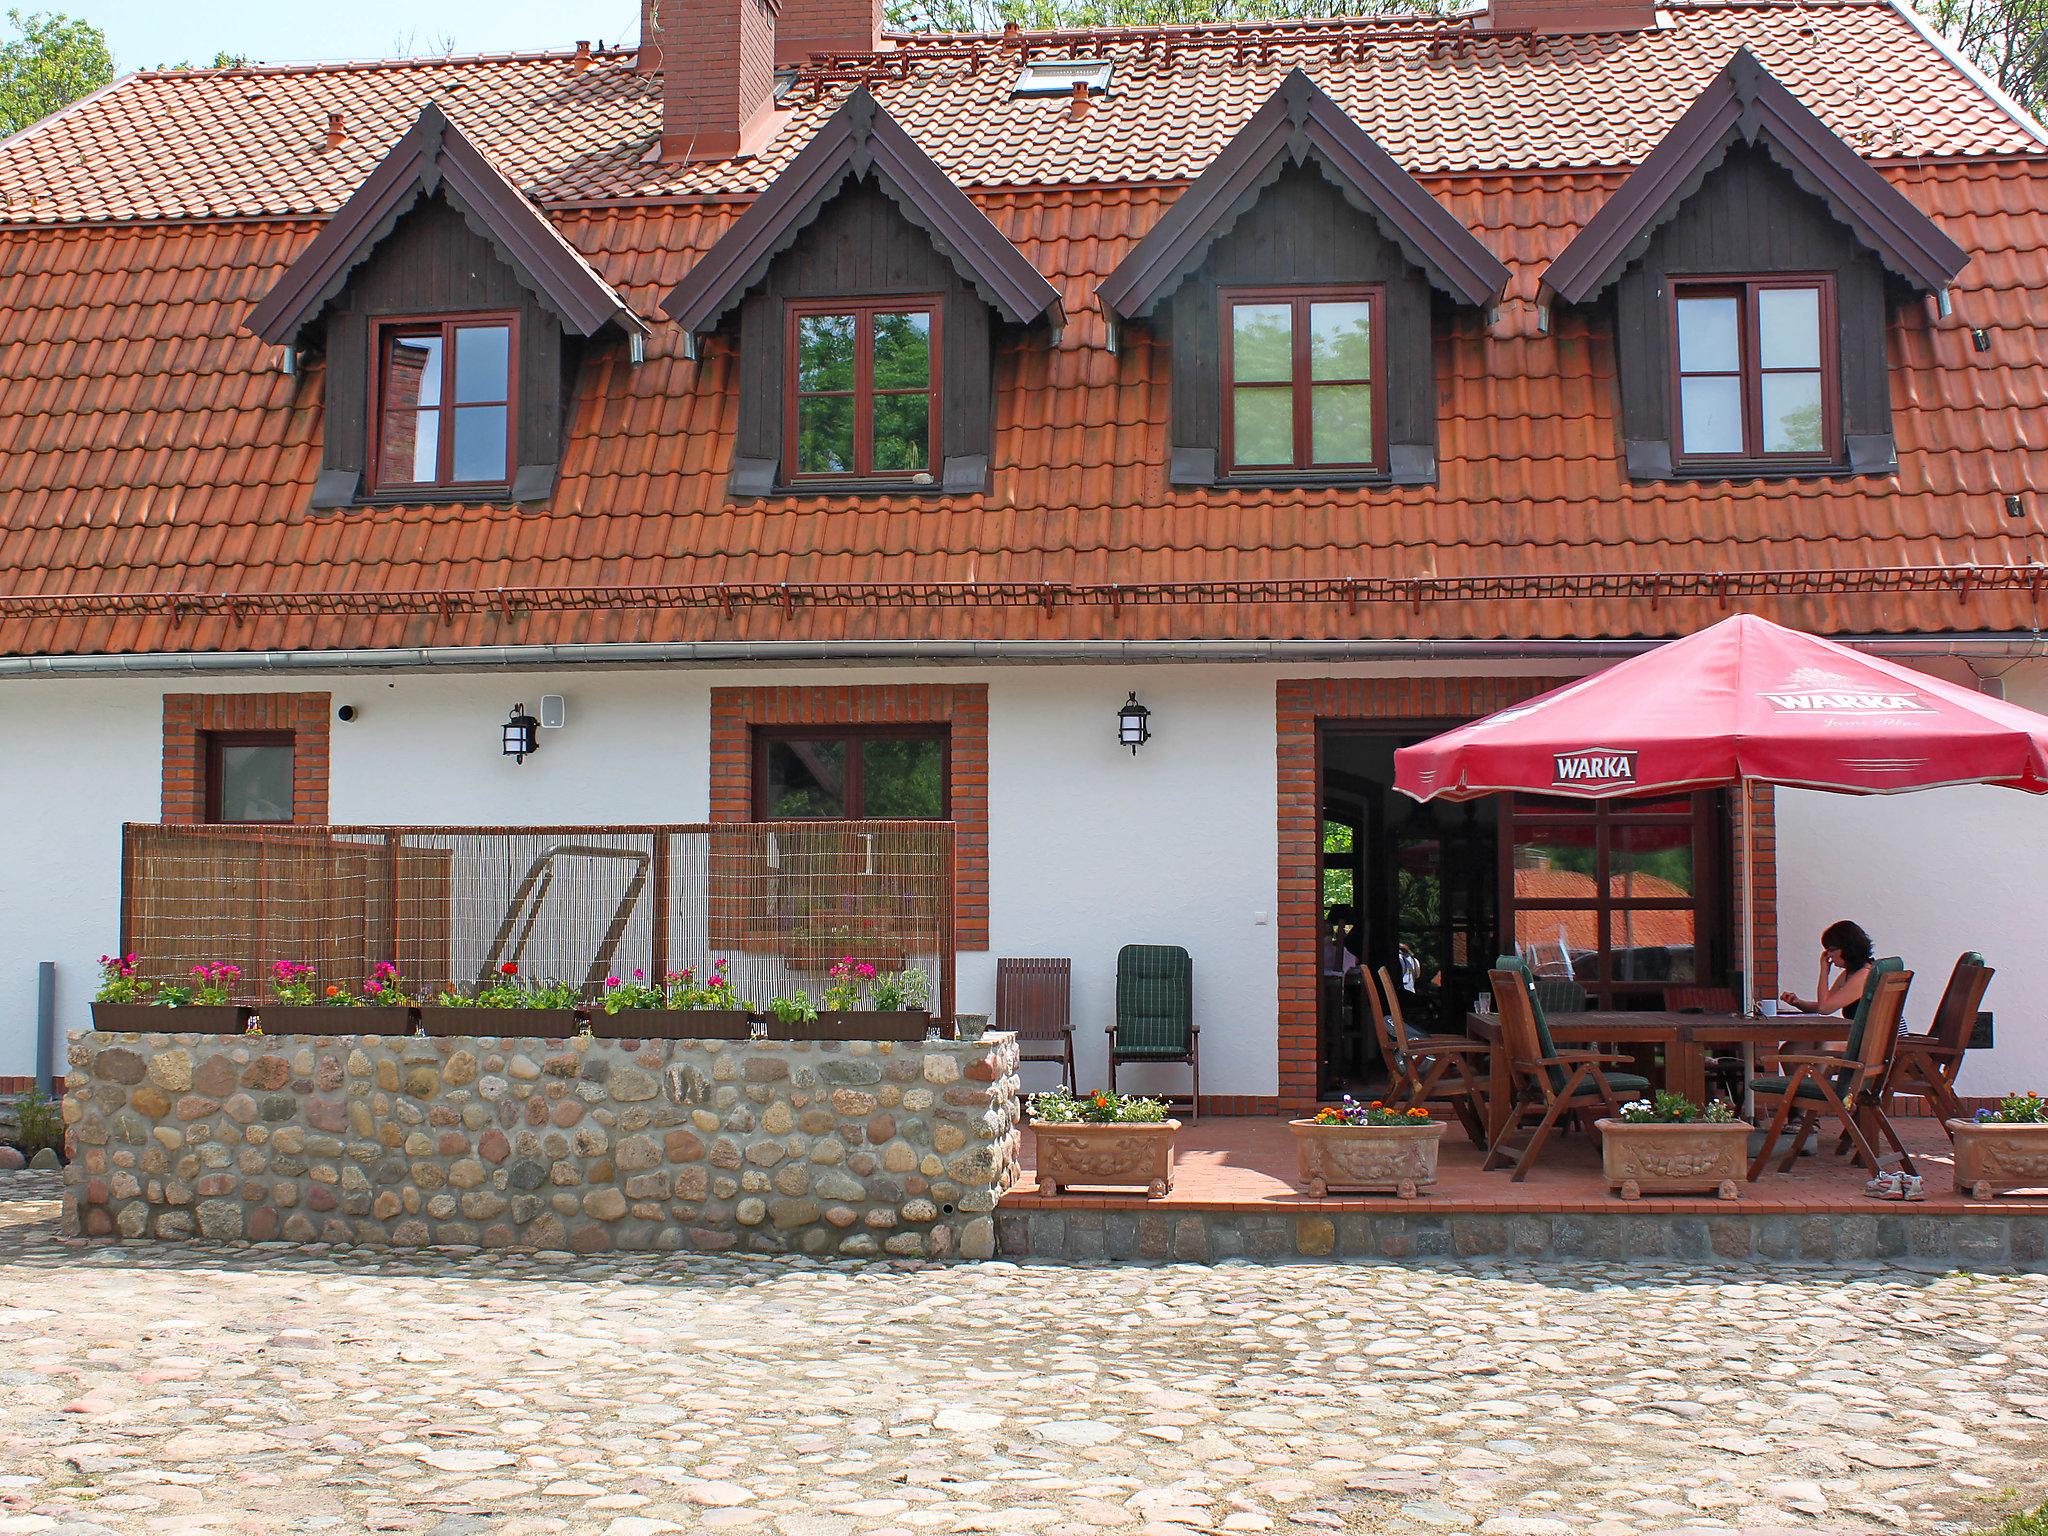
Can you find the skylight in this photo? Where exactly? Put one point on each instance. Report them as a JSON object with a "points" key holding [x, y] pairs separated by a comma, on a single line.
{"points": [[1056, 77]]}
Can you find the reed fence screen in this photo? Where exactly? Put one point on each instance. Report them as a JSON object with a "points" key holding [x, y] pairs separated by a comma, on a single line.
{"points": [[780, 902]]}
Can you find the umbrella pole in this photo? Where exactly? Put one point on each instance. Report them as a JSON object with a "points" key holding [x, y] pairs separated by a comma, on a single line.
{"points": [[1748, 905]]}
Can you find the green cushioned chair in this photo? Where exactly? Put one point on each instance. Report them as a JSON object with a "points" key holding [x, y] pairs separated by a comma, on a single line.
{"points": [[1775, 1084], [1620, 1082], [1845, 1087], [1551, 1086], [1155, 1013]]}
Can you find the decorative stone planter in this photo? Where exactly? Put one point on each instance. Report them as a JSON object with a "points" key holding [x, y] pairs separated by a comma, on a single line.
{"points": [[1992, 1158], [157, 1019], [1695, 1157], [861, 1024], [287, 1019], [1367, 1159], [672, 1024], [1097, 1155], [502, 1023]]}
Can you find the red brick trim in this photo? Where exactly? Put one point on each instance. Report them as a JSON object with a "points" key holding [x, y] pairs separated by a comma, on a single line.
{"points": [[1763, 828], [23, 1084], [962, 706], [189, 716], [1262, 1104]]}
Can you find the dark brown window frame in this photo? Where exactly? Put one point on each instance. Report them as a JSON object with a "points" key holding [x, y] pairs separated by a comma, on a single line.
{"points": [[855, 791], [387, 328], [1745, 288], [1302, 386], [216, 740], [863, 392]]}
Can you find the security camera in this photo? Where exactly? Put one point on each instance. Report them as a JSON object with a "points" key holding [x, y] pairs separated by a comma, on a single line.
{"points": [[346, 713]]}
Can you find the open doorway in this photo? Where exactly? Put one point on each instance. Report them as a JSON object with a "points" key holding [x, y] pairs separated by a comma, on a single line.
{"points": [[1411, 888]]}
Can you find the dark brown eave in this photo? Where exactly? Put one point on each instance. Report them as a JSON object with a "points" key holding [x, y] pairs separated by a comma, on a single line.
{"points": [[1298, 120], [861, 137], [435, 155], [1745, 100]]}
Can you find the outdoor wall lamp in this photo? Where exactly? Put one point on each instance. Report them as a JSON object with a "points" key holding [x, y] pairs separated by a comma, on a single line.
{"points": [[521, 734], [1131, 727]]}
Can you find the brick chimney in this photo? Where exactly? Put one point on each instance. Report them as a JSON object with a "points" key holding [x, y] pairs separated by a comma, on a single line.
{"points": [[1547, 17], [716, 59], [806, 27]]}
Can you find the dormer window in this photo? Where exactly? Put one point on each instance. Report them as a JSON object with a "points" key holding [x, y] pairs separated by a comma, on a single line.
{"points": [[864, 396], [443, 416], [1302, 374], [1753, 368]]}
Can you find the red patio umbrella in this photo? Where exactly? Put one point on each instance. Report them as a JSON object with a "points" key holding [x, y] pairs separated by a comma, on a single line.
{"points": [[1745, 700]]}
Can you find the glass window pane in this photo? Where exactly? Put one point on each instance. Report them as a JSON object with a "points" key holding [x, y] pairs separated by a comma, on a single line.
{"points": [[1650, 863], [805, 778], [1788, 327], [480, 443], [903, 351], [1262, 342], [1707, 335], [255, 782], [1263, 427], [824, 435], [483, 355], [1791, 403], [1342, 423], [1560, 943], [1651, 945], [407, 447], [1710, 415], [902, 776], [1340, 340], [412, 372], [903, 432], [824, 351]]}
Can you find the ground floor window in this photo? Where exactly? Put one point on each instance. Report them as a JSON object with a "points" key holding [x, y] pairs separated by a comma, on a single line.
{"points": [[889, 773], [249, 776], [245, 758]]}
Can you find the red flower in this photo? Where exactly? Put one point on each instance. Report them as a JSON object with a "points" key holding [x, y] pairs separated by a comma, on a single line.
{"points": [[508, 969]]}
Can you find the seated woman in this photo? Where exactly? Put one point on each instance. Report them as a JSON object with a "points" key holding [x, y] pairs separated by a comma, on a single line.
{"points": [[1845, 953]]}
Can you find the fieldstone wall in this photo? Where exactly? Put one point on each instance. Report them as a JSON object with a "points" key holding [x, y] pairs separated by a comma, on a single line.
{"points": [[846, 1148]]}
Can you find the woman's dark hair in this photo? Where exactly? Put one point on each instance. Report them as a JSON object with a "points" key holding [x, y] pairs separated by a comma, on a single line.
{"points": [[1851, 940]]}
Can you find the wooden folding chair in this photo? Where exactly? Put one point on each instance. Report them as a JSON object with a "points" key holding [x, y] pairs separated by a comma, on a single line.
{"points": [[1844, 1085], [1549, 1084], [1928, 1063], [1417, 1065], [1034, 1002]]}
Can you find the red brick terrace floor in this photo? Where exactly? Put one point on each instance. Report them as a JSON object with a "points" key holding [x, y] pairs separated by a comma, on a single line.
{"points": [[1224, 1163]]}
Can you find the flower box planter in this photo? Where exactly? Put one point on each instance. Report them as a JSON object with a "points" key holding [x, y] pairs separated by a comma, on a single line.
{"points": [[1105, 1155], [672, 1024], [1689, 1157], [1367, 1159], [503, 1023], [1993, 1156], [318, 1019], [156, 1019], [862, 1024]]}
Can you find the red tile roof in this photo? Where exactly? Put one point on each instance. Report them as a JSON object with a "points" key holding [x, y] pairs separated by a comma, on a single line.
{"points": [[150, 446]]}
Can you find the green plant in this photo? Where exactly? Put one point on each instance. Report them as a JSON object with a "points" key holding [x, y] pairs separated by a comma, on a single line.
{"points": [[1101, 1107], [897, 991], [2016, 1109], [848, 981], [296, 984], [508, 989], [1378, 1112], [793, 1010], [2022, 1524], [37, 1124], [213, 986], [1665, 1108], [119, 983], [635, 995]]}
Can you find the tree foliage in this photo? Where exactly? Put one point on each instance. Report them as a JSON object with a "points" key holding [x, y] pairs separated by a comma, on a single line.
{"points": [[1040, 15], [2007, 39], [48, 61]]}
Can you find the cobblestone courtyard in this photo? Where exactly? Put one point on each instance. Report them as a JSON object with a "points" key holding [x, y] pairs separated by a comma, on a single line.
{"points": [[279, 1389]]}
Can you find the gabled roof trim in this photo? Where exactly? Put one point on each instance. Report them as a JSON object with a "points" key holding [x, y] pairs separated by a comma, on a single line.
{"points": [[1297, 119], [858, 138], [1745, 100], [435, 155]]}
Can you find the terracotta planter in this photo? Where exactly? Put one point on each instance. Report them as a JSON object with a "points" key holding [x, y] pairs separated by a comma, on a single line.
{"points": [[672, 1024], [1696, 1157], [288, 1019], [1097, 1155], [155, 1019], [862, 1024], [1992, 1158], [504, 1023], [1367, 1159]]}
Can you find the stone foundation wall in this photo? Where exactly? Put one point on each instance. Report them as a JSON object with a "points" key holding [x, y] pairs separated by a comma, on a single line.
{"points": [[848, 1148]]}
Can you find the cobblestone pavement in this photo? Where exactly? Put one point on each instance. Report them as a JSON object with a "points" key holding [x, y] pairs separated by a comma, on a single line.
{"points": [[171, 1389]]}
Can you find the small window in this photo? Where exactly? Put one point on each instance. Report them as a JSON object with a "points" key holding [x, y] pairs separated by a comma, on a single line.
{"points": [[1057, 77], [882, 772], [1302, 382], [444, 403], [249, 777], [1753, 366], [864, 395]]}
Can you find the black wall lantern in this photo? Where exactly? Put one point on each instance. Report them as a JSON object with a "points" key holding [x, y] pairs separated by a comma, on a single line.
{"points": [[521, 734], [1131, 727]]}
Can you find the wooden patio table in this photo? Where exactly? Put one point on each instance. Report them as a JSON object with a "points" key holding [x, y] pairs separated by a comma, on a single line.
{"points": [[1683, 1036]]}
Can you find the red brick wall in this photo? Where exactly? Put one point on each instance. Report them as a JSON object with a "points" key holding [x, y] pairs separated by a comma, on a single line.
{"points": [[962, 706], [189, 716], [1763, 815]]}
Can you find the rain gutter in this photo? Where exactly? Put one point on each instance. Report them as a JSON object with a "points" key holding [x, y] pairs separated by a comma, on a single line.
{"points": [[1983, 644]]}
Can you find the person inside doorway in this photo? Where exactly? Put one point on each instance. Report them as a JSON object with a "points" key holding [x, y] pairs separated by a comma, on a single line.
{"points": [[1411, 969], [1845, 954], [1340, 940]]}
